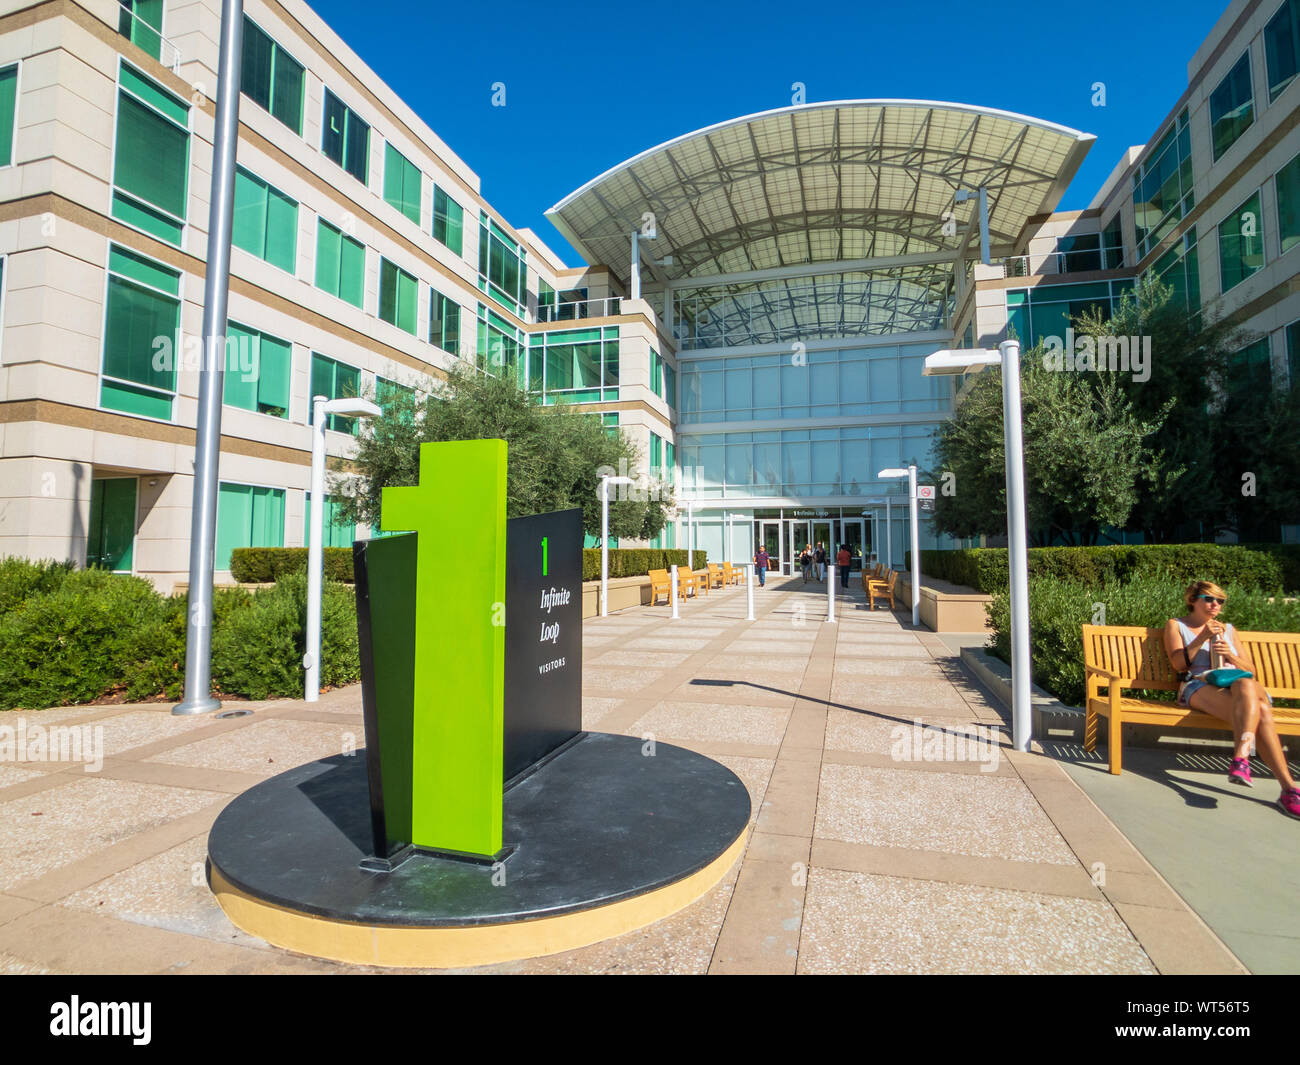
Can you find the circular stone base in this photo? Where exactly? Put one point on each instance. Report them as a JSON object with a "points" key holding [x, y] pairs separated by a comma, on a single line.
{"points": [[606, 840]]}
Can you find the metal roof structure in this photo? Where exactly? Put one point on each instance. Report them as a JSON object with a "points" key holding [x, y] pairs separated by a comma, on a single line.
{"points": [[858, 185]]}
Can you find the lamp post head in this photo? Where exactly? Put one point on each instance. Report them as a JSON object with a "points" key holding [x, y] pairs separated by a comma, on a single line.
{"points": [[947, 362], [352, 407], [890, 474]]}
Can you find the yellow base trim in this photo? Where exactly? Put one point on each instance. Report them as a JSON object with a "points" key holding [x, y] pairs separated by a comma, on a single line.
{"points": [[448, 948]]}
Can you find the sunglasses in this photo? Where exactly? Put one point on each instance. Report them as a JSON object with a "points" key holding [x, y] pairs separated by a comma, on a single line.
{"points": [[1212, 599]]}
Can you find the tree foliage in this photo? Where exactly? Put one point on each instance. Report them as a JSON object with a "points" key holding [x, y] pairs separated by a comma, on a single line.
{"points": [[555, 457]]}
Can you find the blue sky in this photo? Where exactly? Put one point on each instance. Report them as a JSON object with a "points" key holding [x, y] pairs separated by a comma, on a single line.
{"points": [[587, 86]]}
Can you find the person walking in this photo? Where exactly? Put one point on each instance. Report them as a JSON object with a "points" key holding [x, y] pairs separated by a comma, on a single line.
{"points": [[820, 558], [761, 561], [845, 562], [805, 562]]}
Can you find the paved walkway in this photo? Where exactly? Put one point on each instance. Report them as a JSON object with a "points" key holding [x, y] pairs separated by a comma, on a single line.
{"points": [[863, 856]]}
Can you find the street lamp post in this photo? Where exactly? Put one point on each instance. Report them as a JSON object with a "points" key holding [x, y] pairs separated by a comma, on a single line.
{"points": [[605, 482], [1008, 357], [322, 409], [690, 536], [910, 474]]}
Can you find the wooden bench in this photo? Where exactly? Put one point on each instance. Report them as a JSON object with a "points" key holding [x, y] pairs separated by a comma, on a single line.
{"points": [[883, 588], [660, 584], [715, 579], [730, 574], [1120, 658], [688, 581]]}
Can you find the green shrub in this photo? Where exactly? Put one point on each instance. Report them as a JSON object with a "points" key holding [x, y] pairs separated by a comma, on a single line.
{"points": [[266, 565], [257, 649], [95, 633], [21, 579], [985, 569], [637, 561], [1058, 610]]}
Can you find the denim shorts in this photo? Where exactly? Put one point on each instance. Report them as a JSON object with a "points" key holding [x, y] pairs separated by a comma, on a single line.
{"points": [[1194, 685]]}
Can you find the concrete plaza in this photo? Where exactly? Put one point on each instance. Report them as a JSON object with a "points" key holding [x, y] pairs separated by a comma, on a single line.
{"points": [[866, 852]]}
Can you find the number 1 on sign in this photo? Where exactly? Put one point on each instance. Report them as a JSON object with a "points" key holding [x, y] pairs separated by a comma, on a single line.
{"points": [[544, 560]]}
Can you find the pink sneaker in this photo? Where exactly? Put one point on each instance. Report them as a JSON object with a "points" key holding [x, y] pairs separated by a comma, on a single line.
{"points": [[1240, 772], [1289, 801]]}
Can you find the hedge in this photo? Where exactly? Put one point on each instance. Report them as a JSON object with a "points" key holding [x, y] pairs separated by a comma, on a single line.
{"points": [[76, 636], [1058, 610], [266, 565], [1268, 568], [637, 561]]}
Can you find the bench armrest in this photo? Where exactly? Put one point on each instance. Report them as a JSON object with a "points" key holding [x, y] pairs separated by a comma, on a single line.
{"points": [[1099, 671]]}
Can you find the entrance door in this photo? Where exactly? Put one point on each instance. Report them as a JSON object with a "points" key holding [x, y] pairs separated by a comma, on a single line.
{"points": [[823, 532], [770, 538], [797, 539], [111, 541], [853, 533]]}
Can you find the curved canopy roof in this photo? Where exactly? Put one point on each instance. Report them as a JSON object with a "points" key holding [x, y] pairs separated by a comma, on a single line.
{"points": [[823, 183]]}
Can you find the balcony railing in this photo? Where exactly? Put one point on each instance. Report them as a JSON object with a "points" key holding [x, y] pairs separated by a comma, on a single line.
{"points": [[139, 32], [576, 309], [1061, 262]]}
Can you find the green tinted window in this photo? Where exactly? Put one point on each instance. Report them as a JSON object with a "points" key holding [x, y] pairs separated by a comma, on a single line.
{"points": [[340, 264], [8, 112], [140, 22], [247, 516], [444, 323], [1241, 244], [271, 78], [397, 296], [140, 374], [257, 371], [151, 160], [1250, 373], [1232, 107], [501, 264], [346, 138], [402, 183], [448, 221], [1288, 204], [333, 380], [1282, 47], [337, 532], [265, 222]]}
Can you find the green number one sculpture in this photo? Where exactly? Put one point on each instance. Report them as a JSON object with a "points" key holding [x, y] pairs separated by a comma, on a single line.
{"points": [[458, 512]]}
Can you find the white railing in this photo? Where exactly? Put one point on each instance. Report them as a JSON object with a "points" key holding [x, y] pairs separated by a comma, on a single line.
{"points": [[148, 38], [576, 309], [1061, 262]]}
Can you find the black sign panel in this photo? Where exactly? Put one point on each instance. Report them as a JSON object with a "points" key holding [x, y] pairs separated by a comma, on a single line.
{"points": [[543, 683]]}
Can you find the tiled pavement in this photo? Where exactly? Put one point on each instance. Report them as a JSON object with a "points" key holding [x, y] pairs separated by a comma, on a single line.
{"points": [[857, 861]]}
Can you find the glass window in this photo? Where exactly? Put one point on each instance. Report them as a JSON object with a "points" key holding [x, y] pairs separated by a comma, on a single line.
{"points": [[397, 296], [247, 516], [110, 539], [258, 369], [1250, 374], [1282, 48], [333, 380], [1162, 187], [265, 221], [1288, 204], [1241, 244], [448, 221], [444, 323], [336, 532], [1232, 107], [1293, 353], [501, 346], [402, 183], [8, 112], [140, 22], [340, 264], [143, 305], [270, 77], [501, 264], [151, 159], [1179, 268], [345, 138], [1082, 252], [1112, 245]]}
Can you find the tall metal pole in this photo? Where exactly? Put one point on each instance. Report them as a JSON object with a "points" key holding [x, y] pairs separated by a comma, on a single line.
{"points": [[1017, 546], [690, 537], [916, 548], [604, 547], [315, 552], [207, 437]]}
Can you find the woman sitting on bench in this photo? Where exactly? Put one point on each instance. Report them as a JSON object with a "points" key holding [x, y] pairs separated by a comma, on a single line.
{"points": [[1189, 642]]}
